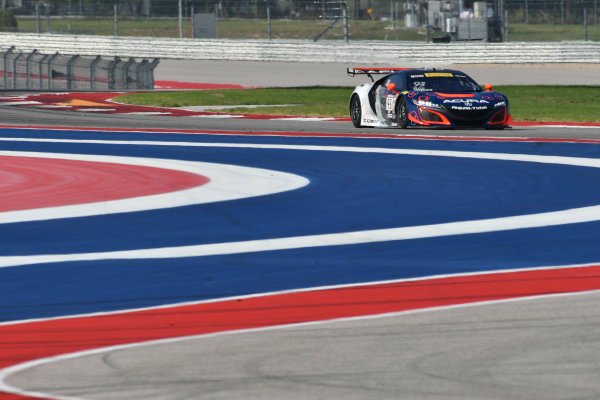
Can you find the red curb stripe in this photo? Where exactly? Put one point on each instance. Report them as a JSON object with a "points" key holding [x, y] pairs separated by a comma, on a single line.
{"points": [[39, 339], [29, 182]]}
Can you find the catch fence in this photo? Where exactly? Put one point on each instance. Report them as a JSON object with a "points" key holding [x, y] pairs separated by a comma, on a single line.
{"points": [[528, 20], [36, 71]]}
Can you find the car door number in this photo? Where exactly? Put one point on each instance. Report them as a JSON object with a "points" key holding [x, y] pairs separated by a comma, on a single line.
{"points": [[390, 102]]}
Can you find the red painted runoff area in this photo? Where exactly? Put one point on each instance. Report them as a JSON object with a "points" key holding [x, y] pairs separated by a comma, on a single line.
{"points": [[30, 182], [27, 341]]}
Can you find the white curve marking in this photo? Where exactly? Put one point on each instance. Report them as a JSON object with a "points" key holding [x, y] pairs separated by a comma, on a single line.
{"points": [[570, 216], [227, 182]]}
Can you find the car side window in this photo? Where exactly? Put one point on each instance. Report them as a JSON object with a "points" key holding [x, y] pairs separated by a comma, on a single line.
{"points": [[397, 81]]}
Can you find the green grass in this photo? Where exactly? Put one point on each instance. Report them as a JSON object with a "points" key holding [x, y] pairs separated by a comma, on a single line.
{"points": [[553, 103], [551, 33], [527, 103], [308, 101]]}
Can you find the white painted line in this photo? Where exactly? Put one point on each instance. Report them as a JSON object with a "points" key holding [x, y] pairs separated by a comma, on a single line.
{"points": [[227, 182], [569, 216], [147, 113], [303, 119], [218, 116], [19, 103], [95, 109]]}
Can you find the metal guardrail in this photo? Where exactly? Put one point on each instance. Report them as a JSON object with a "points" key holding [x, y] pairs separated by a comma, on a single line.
{"points": [[36, 71], [390, 52]]}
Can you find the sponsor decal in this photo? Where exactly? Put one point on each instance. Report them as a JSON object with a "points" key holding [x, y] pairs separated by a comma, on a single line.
{"points": [[467, 104], [439, 75], [469, 108]]}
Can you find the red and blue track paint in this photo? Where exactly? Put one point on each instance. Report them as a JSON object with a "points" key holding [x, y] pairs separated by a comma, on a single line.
{"points": [[166, 236]]}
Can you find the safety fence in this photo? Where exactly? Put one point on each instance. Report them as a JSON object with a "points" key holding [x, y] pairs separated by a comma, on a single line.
{"points": [[33, 70], [527, 20]]}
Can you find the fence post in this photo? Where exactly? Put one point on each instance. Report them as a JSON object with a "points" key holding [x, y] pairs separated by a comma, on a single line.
{"points": [[15, 69], [585, 25], [140, 72], [126, 72], [37, 17], [180, 17], [93, 72], [70, 71], [115, 9], [268, 21], [345, 17], [41, 70], [6, 55], [28, 67], [153, 65], [50, 77], [506, 25], [111, 73]]}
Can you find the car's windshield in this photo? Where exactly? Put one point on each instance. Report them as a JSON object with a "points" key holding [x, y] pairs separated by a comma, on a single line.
{"points": [[446, 82]]}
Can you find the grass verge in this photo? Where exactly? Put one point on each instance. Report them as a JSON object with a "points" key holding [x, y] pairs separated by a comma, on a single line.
{"points": [[527, 103]]}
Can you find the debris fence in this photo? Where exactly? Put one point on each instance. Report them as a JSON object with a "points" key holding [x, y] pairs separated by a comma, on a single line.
{"points": [[37, 71]]}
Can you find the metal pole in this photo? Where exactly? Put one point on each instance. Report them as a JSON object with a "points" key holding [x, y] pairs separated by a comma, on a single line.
{"points": [[268, 21], [93, 72], [15, 69], [70, 77], [180, 19], [585, 25], [37, 17], [41, 70], [526, 11], [427, 25], [392, 13], [6, 55], [192, 21], [47, 17], [345, 16], [506, 25], [562, 12], [115, 9], [50, 61], [28, 67], [112, 73]]}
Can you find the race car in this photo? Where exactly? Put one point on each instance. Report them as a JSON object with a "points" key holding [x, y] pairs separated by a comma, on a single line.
{"points": [[406, 98]]}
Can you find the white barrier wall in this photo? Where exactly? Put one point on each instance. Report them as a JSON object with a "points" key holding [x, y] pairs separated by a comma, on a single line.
{"points": [[390, 52]]}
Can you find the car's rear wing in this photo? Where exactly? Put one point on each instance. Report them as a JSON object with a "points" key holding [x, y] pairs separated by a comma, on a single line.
{"points": [[372, 71]]}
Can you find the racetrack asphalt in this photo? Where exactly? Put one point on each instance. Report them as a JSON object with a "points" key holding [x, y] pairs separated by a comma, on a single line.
{"points": [[542, 347]]}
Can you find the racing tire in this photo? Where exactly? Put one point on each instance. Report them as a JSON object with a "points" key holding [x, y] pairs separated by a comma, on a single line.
{"points": [[356, 111], [402, 112]]}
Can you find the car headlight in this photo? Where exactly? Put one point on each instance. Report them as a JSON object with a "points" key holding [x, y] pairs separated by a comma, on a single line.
{"points": [[426, 103], [500, 104]]}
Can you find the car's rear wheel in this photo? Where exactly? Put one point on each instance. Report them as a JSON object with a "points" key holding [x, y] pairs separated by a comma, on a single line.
{"points": [[355, 111], [402, 112]]}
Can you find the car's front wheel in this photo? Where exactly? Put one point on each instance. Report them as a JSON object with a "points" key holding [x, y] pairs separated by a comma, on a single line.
{"points": [[356, 111], [402, 112]]}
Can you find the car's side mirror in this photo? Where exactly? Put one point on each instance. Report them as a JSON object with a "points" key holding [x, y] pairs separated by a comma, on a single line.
{"points": [[390, 86], [488, 87]]}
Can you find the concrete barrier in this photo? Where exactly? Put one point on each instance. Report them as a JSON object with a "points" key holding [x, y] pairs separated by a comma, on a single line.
{"points": [[391, 52]]}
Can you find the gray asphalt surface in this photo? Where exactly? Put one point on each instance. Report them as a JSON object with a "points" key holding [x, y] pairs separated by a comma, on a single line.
{"points": [[547, 348], [282, 74], [529, 349]]}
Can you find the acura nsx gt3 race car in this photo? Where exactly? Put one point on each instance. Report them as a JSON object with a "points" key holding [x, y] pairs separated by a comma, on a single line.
{"points": [[425, 98]]}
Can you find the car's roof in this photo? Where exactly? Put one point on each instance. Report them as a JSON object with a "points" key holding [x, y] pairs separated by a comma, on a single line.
{"points": [[427, 70]]}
